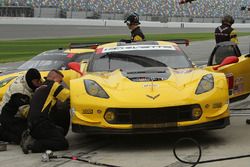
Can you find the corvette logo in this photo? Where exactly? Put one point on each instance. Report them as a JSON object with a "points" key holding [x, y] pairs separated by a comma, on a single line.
{"points": [[153, 97]]}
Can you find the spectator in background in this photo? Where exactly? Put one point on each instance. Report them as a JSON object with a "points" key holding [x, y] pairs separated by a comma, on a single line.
{"points": [[201, 8], [225, 32]]}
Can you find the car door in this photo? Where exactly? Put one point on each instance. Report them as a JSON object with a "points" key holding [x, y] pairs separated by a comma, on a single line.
{"points": [[238, 74]]}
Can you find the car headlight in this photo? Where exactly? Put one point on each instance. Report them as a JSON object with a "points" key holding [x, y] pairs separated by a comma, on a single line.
{"points": [[206, 84], [6, 81], [94, 89]]}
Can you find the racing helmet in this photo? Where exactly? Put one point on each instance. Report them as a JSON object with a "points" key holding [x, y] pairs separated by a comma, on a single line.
{"points": [[133, 18], [228, 19]]}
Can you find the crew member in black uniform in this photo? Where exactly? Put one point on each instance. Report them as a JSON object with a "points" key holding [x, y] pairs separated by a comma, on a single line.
{"points": [[44, 134], [14, 106], [133, 23], [225, 32]]}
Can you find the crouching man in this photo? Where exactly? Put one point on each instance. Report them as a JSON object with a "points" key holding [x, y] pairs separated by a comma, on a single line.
{"points": [[15, 106], [43, 134]]}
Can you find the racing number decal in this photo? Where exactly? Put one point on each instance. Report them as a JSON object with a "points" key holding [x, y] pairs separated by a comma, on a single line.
{"points": [[235, 85], [239, 85]]}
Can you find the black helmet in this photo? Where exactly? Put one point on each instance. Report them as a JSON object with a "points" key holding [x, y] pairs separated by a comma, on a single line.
{"points": [[227, 20], [133, 18], [31, 74]]}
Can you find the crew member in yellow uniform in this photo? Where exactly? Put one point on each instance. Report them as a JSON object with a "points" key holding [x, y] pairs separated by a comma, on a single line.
{"points": [[225, 32], [44, 134], [133, 23]]}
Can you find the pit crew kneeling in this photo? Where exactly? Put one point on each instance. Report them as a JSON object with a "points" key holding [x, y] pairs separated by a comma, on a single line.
{"points": [[15, 105], [43, 134]]}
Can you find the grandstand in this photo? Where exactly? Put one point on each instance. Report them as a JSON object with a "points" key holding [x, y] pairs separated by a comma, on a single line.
{"points": [[152, 8]]}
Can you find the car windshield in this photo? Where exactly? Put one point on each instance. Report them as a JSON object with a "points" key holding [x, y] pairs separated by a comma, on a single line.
{"points": [[46, 61], [139, 59]]}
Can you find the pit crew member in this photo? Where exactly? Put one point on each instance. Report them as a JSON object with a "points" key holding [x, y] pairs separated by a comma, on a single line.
{"points": [[15, 105], [44, 134], [225, 32], [133, 23]]}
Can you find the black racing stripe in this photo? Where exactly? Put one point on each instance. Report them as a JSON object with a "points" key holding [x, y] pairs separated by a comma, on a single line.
{"points": [[58, 90]]}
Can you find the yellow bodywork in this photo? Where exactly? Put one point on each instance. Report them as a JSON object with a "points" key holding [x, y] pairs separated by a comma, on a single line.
{"points": [[241, 75], [127, 94], [68, 74], [78, 51], [178, 90]]}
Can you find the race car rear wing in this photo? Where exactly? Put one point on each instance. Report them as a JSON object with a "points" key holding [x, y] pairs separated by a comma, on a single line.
{"points": [[83, 45], [179, 41], [95, 45]]}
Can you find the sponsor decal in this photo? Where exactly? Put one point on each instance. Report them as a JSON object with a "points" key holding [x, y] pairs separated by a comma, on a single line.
{"points": [[87, 111], [239, 85], [138, 47], [150, 85], [217, 105]]}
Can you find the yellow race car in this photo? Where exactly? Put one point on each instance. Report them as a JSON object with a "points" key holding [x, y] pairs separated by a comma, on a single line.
{"points": [[44, 62], [149, 87]]}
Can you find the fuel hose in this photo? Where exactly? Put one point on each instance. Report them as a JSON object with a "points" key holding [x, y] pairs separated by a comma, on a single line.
{"points": [[198, 161]]}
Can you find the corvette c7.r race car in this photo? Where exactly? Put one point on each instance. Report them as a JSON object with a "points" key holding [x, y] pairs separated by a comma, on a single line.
{"points": [[149, 87]]}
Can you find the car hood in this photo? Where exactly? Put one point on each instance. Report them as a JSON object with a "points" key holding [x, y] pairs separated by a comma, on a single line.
{"points": [[125, 79], [178, 85]]}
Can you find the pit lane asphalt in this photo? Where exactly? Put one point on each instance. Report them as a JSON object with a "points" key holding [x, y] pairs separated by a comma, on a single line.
{"points": [[150, 150]]}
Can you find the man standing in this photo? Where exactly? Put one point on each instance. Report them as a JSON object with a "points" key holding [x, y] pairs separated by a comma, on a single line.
{"points": [[44, 134], [15, 105], [225, 32], [133, 23]]}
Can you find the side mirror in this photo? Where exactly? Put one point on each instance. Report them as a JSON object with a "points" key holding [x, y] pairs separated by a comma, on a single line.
{"points": [[228, 60], [75, 66]]}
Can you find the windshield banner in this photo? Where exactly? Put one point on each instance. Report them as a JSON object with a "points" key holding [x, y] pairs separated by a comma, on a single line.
{"points": [[138, 47]]}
